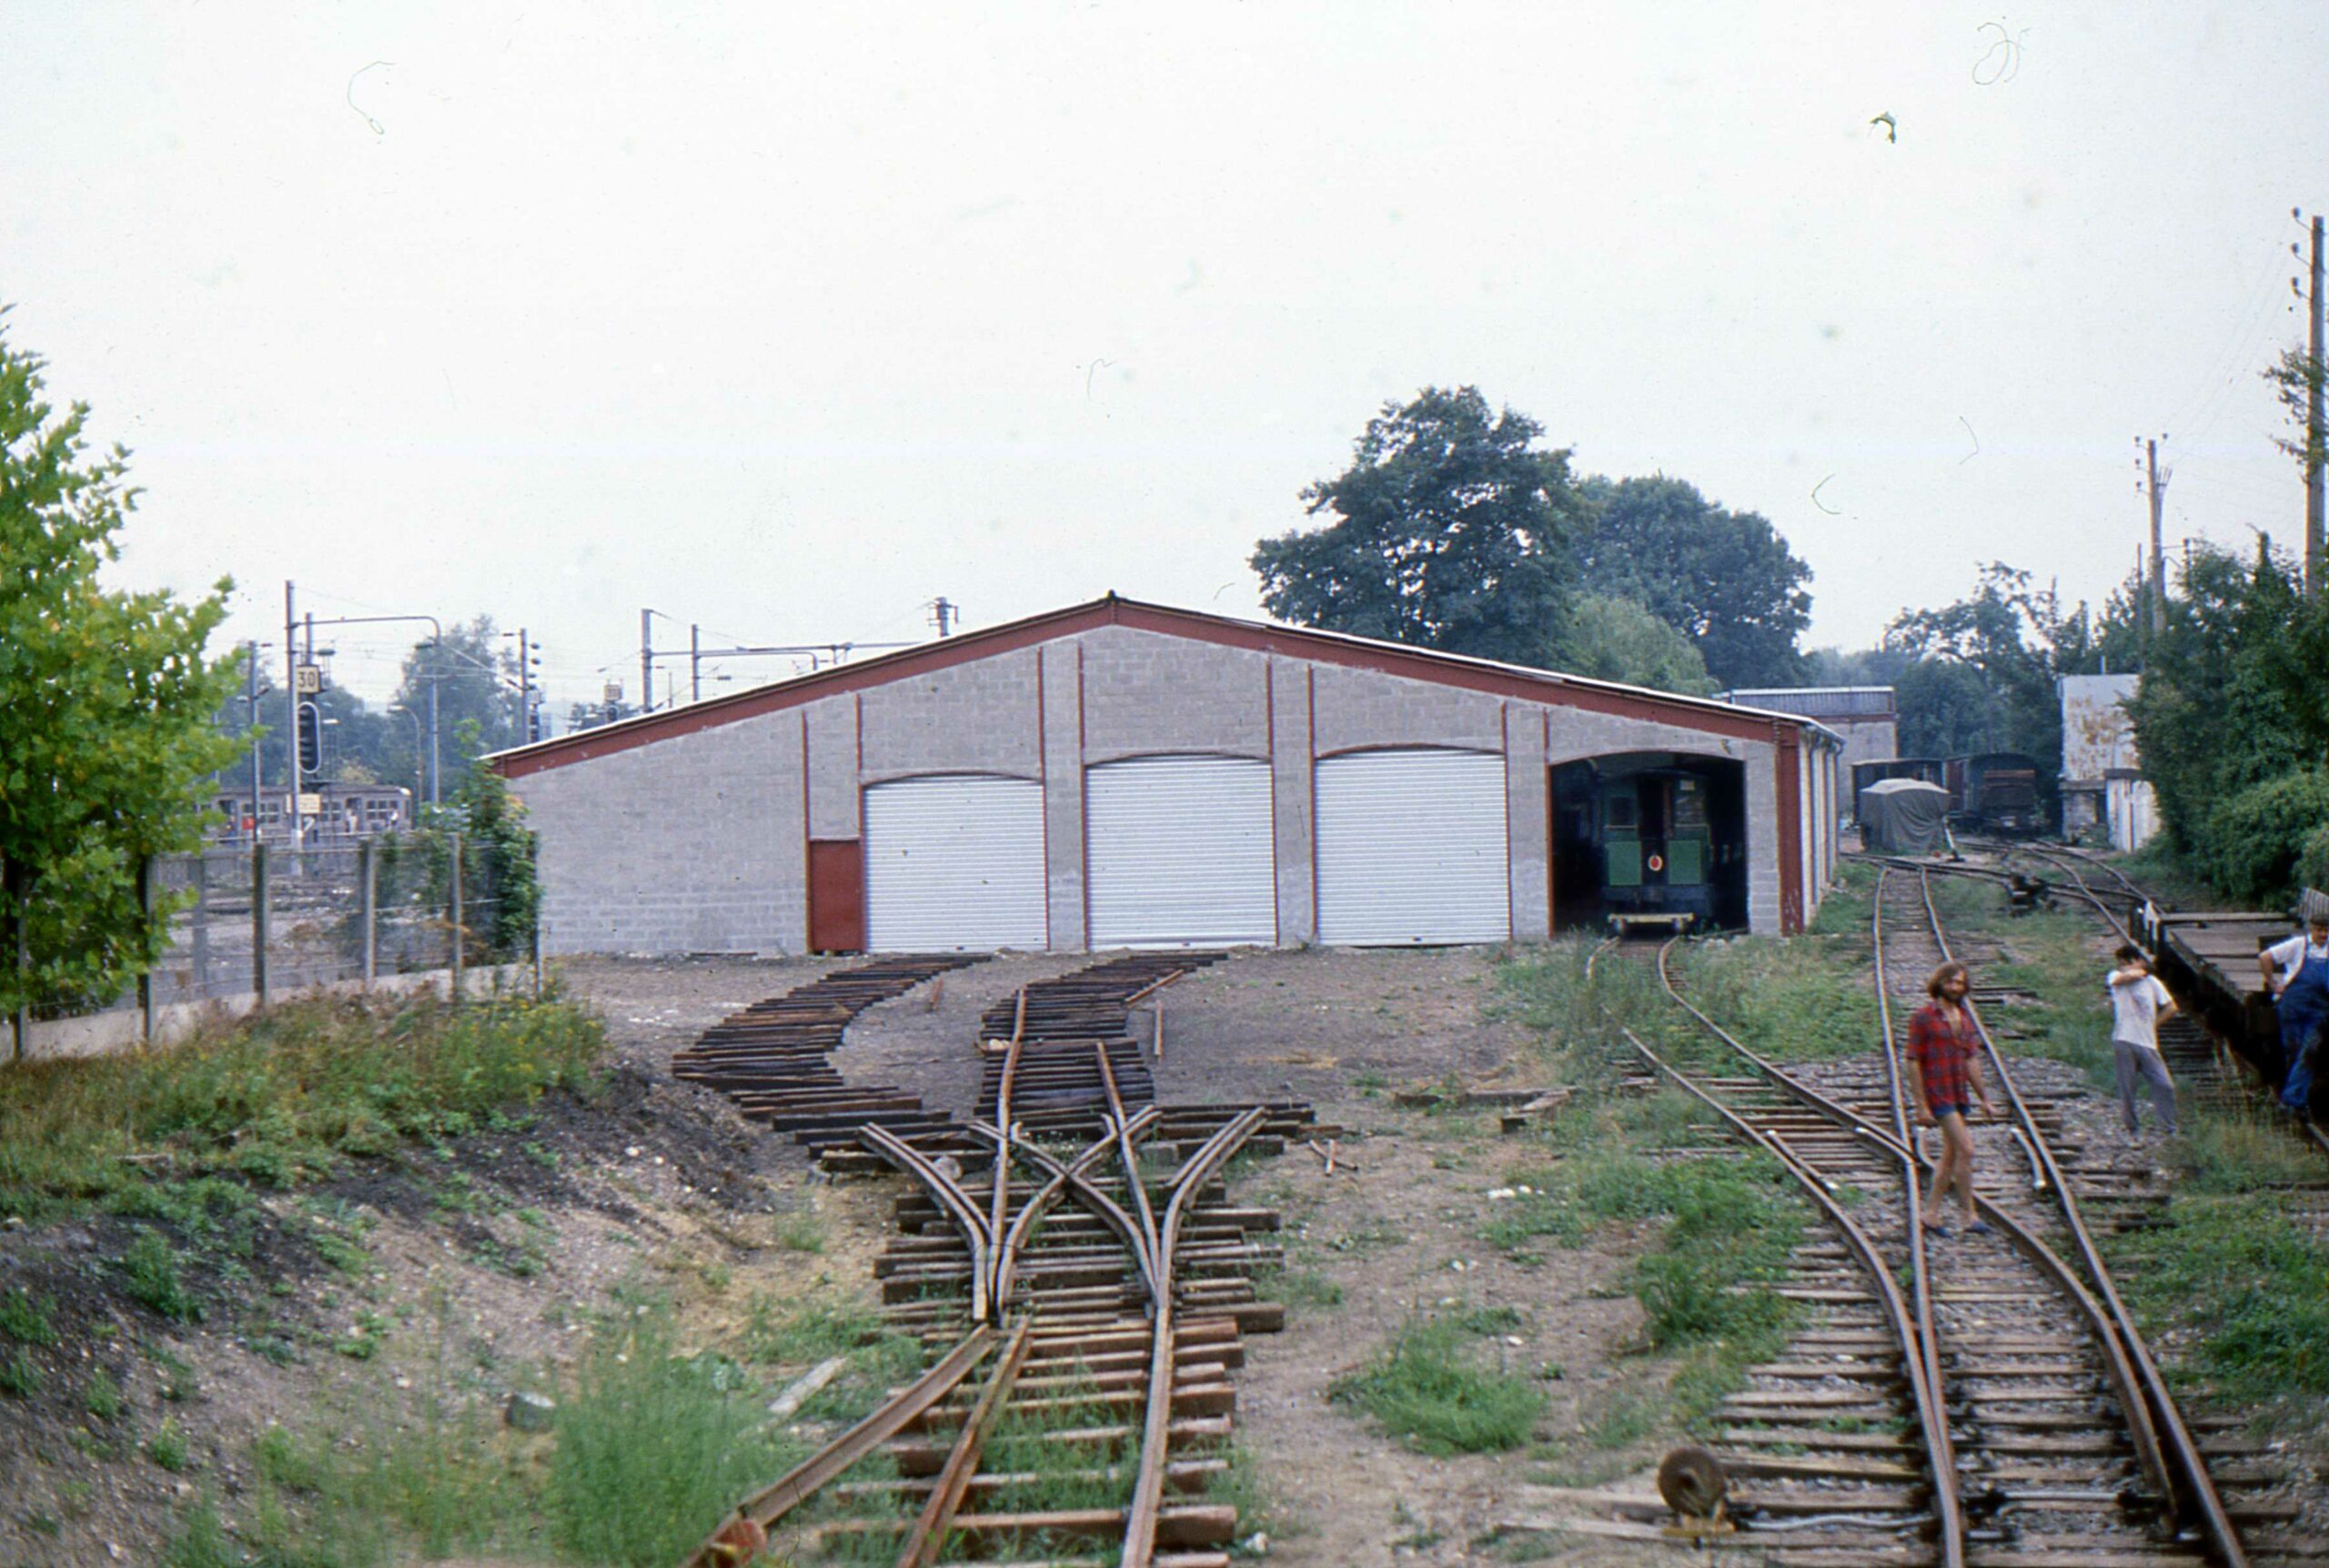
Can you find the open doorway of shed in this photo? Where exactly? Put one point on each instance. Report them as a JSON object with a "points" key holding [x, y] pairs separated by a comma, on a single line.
{"points": [[1580, 796]]}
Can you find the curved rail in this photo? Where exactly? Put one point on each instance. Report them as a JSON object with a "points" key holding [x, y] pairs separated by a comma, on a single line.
{"points": [[1915, 1337], [2192, 1486]]}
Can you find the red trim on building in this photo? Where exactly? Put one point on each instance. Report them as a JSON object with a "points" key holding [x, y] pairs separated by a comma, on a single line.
{"points": [[1314, 646], [1787, 766], [1511, 898]]}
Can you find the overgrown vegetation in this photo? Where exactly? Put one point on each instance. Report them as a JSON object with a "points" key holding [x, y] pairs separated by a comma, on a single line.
{"points": [[1714, 1231], [108, 697], [1433, 1388], [2233, 733], [282, 1098]]}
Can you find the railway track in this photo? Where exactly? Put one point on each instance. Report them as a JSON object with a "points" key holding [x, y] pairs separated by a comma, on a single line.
{"points": [[1069, 1261], [2202, 1063], [1997, 1408]]}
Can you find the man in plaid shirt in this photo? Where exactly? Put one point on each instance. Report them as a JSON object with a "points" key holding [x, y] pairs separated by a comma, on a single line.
{"points": [[1944, 1081]]}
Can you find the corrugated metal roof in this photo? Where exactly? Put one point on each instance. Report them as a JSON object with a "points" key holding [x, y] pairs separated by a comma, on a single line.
{"points": [[1820, 701]]}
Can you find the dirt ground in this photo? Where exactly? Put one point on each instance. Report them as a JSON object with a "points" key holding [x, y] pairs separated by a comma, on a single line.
{"points": [[490, 1254]]}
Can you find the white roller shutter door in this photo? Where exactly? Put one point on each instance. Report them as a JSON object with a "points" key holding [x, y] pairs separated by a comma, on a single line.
{"points": [[1179, 852], [1412, 848], [954, 863]]}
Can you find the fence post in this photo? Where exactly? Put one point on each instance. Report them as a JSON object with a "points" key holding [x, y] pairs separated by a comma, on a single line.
{"points": [[258, 923], [146, 975], [367, 876], [20, 955], [457, 920], [199, 931]]}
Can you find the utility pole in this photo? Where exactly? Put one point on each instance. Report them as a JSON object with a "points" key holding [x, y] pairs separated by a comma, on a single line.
{"points": [[525, 693], [945, 614], [2316, 433], [695, 663], [646, 661], [291, 712], [250, 707], [2158, 488]]}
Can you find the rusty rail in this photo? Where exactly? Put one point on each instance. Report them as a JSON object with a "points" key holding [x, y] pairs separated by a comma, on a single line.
{"points": [[2154, 1403]]}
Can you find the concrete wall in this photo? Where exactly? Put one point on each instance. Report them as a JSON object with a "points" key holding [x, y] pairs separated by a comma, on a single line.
{"points": [[696, 842]]}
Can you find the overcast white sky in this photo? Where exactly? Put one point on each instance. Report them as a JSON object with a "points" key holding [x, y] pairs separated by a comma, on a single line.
{"points": [[786, 319]]}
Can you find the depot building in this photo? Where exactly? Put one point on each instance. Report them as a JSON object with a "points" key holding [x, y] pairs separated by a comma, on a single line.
{"points": [[1121, 774]]}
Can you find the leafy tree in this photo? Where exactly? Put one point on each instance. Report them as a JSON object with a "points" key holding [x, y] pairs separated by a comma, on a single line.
{"points": [[1724, 578], [108, 700], [476, 687], [1986, 670], [1451, 532], [2233, 734], [1612, 639]]}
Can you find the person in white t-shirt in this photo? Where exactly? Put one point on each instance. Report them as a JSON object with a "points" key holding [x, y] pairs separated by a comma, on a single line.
{"points": [[2138, 1004]]}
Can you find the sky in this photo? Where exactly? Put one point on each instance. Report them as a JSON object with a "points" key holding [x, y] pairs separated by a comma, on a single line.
{"points": [[784, 321]]}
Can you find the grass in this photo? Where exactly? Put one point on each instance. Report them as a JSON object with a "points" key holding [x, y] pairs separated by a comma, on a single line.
{"points": [[149, 1273], [1431, 1389], [2243, 1285], [25, 1319], [20, 1375], [168, 1447], [102, 1398], [1724, 1225], [279, 1099]]}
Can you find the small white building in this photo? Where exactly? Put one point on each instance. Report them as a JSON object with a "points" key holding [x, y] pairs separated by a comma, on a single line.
{"points": [[2102, 781]]}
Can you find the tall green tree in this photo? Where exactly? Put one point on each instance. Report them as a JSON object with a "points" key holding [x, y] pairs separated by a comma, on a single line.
{"points": [[1985, 672], [1450, 531], [476, 682], [1611, 639], [1725, 580], [107, 696], [2232, 726]]}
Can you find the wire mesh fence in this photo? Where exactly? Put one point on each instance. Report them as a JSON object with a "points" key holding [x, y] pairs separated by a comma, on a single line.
{"points": [[266, 921]]}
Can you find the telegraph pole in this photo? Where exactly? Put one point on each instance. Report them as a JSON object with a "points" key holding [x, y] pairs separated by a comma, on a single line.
{"points": [[2316, 433], [525, 693], [2158, 488], [250, 707], [646, 661], [945, 614], [695, 663], [291, 713]]}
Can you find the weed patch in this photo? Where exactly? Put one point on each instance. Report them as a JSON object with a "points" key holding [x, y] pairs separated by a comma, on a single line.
{"points": [[277, 1098], [1431, 1389]]}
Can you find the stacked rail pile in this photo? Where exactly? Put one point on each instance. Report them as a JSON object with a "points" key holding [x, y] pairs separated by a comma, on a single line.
{"points": [[774, 1058]]}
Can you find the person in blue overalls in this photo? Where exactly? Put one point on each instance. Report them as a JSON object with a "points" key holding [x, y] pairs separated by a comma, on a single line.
{"points": [[2296, 971]]}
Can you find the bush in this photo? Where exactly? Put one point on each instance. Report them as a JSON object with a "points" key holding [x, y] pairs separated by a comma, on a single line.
{"points": [[2261, 843], [653, 1448]]}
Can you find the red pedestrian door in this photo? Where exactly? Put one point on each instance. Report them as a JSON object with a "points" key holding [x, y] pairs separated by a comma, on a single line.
{"points": [[836, 896]]}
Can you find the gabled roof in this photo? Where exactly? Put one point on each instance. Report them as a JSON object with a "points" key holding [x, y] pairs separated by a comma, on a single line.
{"points": [[1340, 649]]}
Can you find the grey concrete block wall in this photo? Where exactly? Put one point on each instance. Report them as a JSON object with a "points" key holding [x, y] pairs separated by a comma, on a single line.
{"points": [[696, 842], [1527, 813], [976, 718], [1356, 708], [1063, 765], [1145, 694], [1293, 794], [836, 809]]}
